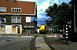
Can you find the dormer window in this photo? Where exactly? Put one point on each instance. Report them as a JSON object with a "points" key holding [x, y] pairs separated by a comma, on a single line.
{"points": [[3, 9], [16, 10]]}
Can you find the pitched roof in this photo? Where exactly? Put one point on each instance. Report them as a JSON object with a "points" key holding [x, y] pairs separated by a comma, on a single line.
{"points": [[27, 7]]}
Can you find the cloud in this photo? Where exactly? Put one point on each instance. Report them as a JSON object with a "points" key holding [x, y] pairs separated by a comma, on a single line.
{"points": [[42, 14], [41, 9], [41, 17], [56, 1], [40, 2], [44, 5]]}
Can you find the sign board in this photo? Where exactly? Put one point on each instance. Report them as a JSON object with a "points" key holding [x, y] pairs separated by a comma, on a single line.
{"points": [[28, 19], [28, 26]]}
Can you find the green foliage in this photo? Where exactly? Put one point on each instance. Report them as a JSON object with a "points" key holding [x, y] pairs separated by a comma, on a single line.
{"points": [[56, 12]]}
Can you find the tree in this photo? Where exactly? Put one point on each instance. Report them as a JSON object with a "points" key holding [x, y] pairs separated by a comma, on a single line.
{"points": [[52, 11], [49, 22], [57, 12], [72, 2]]}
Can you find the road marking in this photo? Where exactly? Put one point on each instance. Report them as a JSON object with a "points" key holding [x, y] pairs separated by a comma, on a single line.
{"points": [[61, 35], [55, 35]]}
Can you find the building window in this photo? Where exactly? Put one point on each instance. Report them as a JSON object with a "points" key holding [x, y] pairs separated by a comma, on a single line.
{"points": [[3, 20], [28, 31], [2, 28], [16, 10], [16, 19], [14, 29], [2, 9], [28, 19]]}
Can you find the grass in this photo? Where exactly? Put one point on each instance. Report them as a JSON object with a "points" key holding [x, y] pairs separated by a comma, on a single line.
{"points": [[56, 41]]}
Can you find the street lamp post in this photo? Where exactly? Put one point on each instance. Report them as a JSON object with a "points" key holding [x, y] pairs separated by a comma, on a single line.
{"points": [[74, 20]]}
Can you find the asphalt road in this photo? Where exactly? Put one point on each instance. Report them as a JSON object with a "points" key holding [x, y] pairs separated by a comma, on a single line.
{"points": [[15, 43], [38, 42]]}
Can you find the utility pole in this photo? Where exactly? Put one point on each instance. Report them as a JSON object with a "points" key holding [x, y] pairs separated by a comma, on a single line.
{"points": [[74, 20]]}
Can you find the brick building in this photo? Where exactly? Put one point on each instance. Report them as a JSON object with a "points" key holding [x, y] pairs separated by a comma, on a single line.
{"points": [[16, 17]]}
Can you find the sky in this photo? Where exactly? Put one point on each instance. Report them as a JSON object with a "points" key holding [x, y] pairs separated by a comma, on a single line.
{"points": [[42, 5]]}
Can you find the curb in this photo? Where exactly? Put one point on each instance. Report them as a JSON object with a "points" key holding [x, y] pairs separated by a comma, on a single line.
{"points": [[48, 43], [32, 43], [16, 36]]}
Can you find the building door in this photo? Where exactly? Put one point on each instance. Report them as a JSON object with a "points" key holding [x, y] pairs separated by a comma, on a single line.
{"points": [[14, 29], [18, 29]]}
